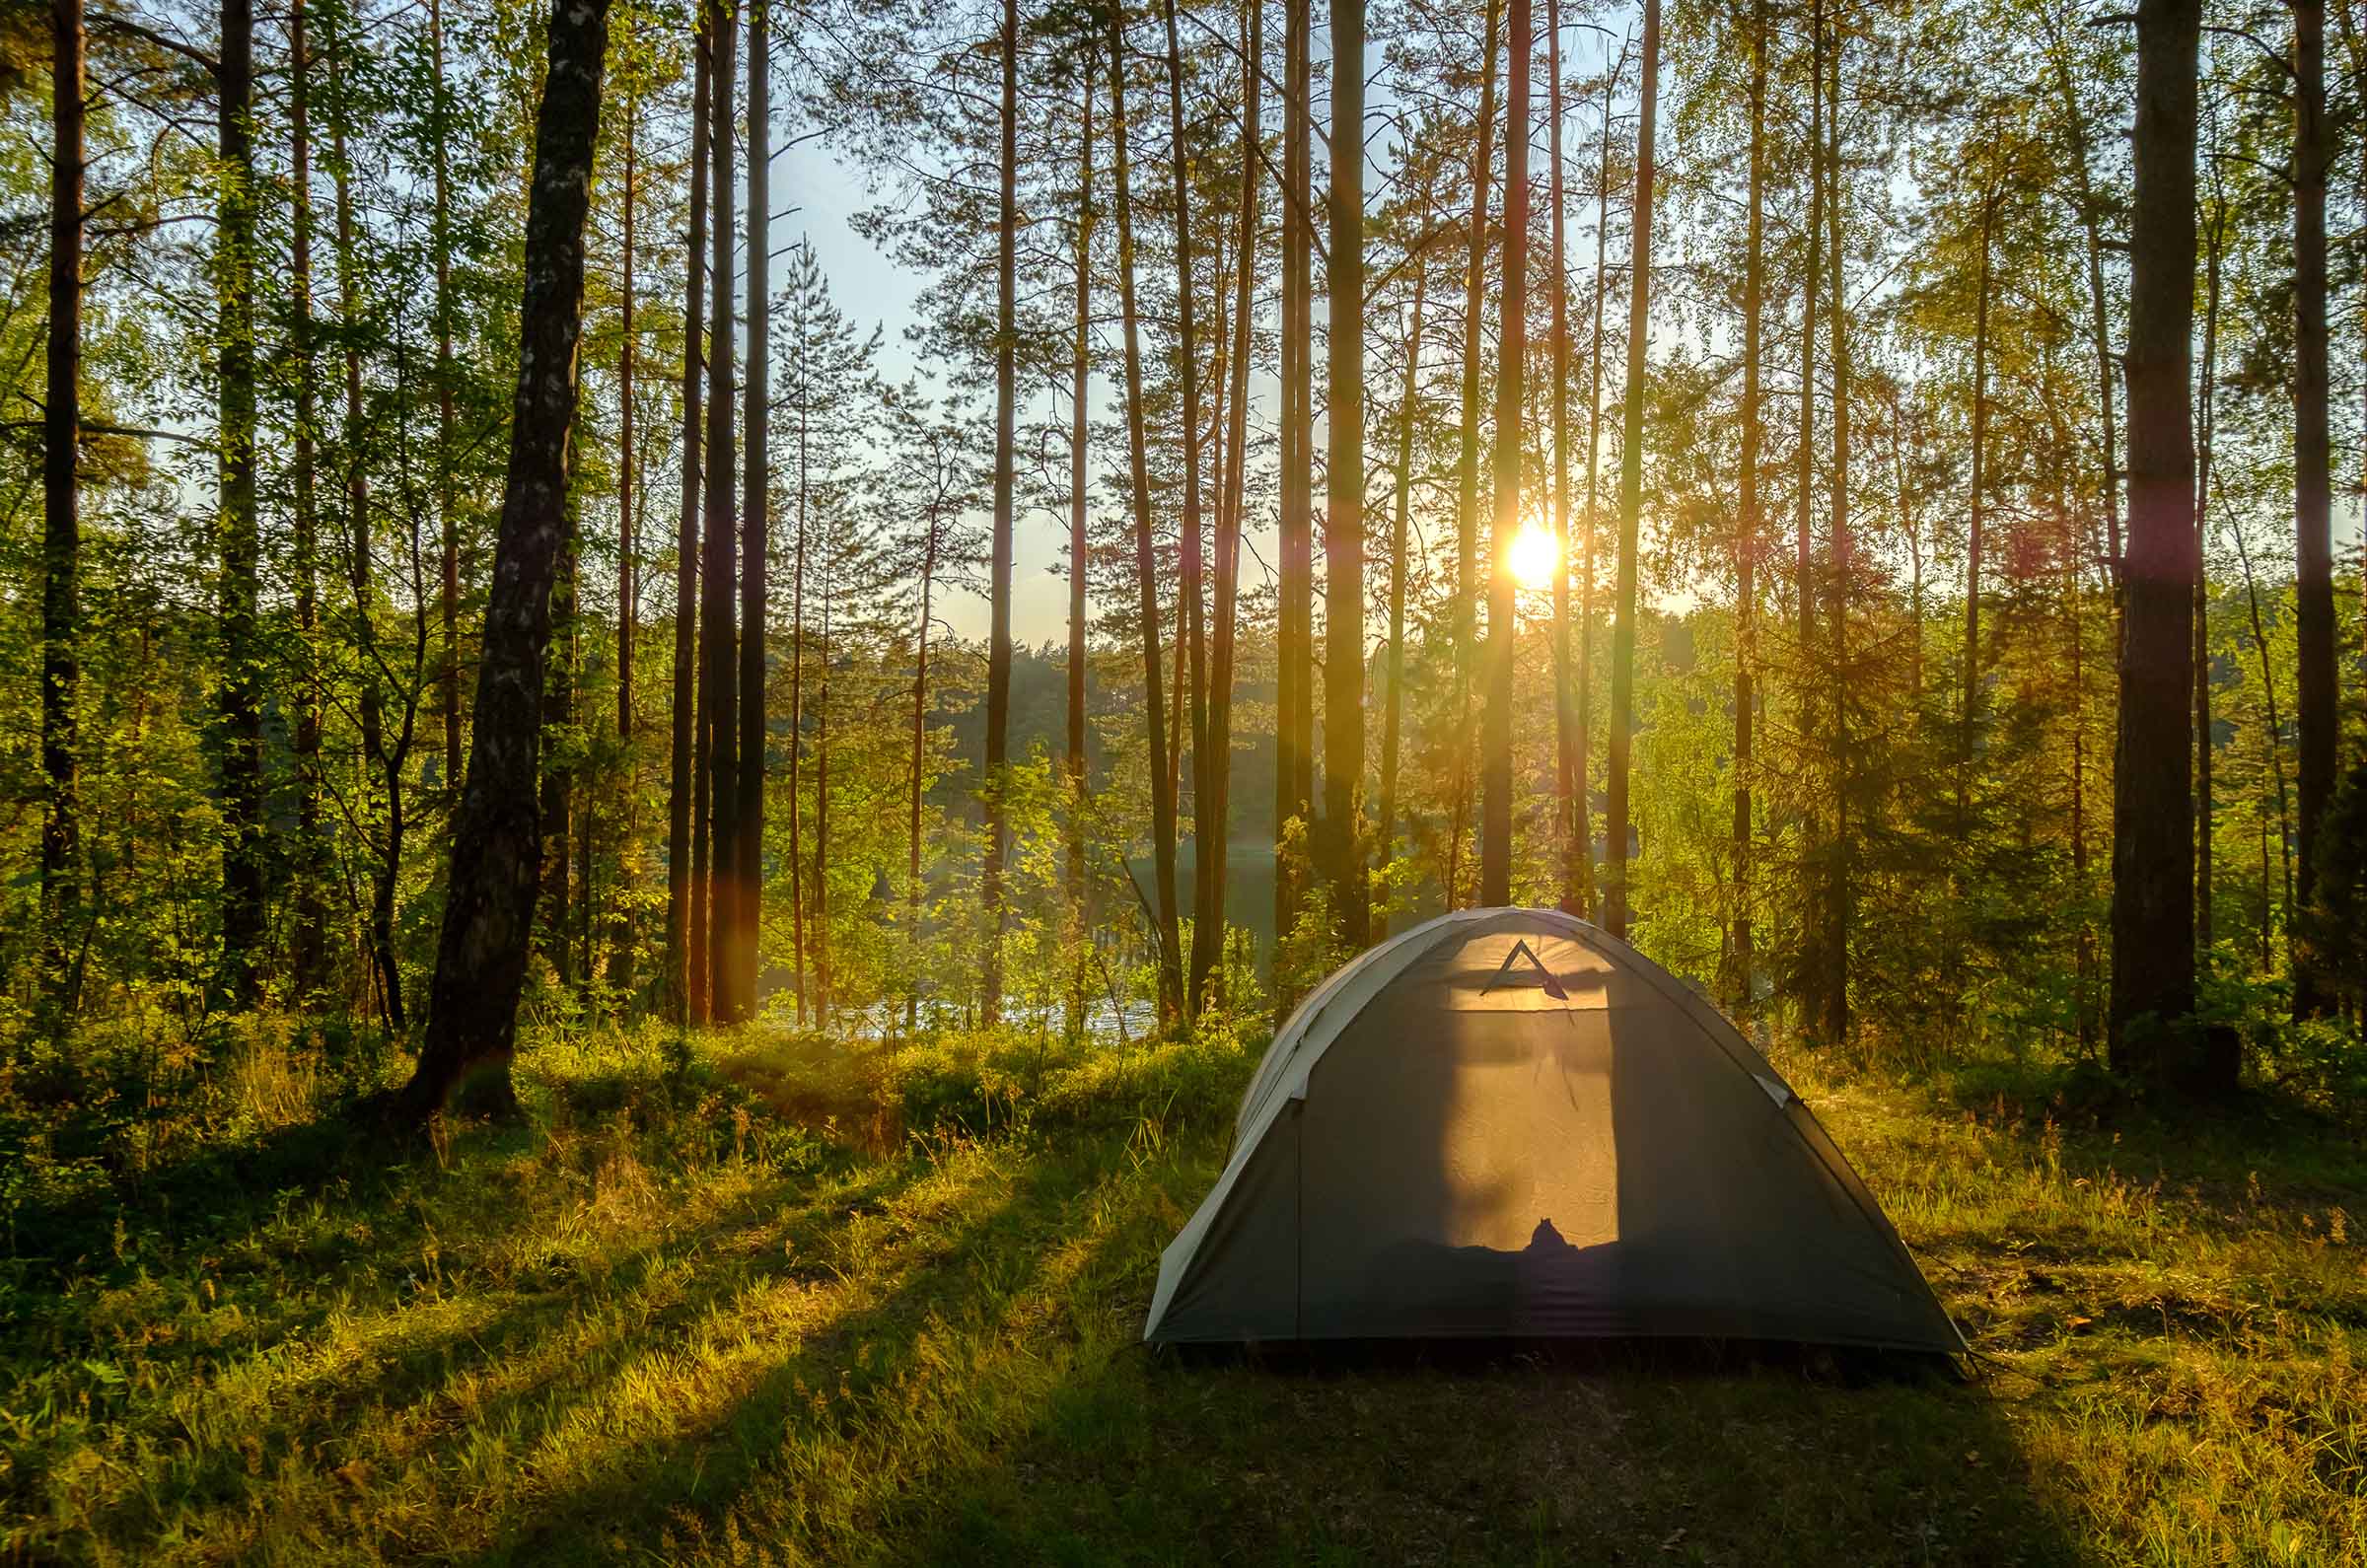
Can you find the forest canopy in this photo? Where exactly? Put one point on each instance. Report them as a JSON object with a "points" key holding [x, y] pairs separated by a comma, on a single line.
{"points": [[1860, 499]]}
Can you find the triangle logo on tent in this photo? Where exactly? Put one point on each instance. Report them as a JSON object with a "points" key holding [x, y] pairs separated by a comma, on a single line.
{"points": [[1521, 950]]}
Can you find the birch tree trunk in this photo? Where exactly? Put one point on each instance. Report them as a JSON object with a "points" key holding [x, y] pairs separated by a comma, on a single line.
{"points": [[489, 912]]}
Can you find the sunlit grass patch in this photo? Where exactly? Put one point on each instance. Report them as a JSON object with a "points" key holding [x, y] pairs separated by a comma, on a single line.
{"points": [[772, 1298]]}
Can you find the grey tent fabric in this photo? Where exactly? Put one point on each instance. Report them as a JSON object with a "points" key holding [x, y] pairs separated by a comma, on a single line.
{"points": [[1509, 1124]]}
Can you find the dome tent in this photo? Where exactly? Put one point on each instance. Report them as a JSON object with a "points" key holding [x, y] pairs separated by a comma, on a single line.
{"points": [[1506, 1123]]}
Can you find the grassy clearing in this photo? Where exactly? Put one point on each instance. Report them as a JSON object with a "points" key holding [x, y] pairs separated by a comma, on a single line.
{"points": [[788, 1303]]}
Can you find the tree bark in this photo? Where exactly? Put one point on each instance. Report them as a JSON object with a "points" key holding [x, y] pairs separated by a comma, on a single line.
{"points": [[1163, 795], [447, 443], [61, 514], [2153, 846], [1839, 890], [1631, 488], [719, 633], [1811, 288], [1566, 719], [1582, 762], [1190, 638], [2206, 419], [686, 951], [480, 955], [1294, 719], [1393, 718], [1749, 535], [306, 951], [1006, 414], [1079, 547], [1215, 804], [244, 852], [1969, 709], [2316, 706], [797, 693], [1343, 509], [620, 976], [1512, 357], [1466, 462], [361, 568], [820, 921], [756, 520]]}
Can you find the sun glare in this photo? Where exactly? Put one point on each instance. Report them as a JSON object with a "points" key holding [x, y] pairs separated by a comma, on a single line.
{"points": [[1533, 555]]}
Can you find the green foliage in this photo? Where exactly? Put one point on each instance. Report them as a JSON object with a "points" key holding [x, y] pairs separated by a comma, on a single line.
{"points": [[2334, 928]]}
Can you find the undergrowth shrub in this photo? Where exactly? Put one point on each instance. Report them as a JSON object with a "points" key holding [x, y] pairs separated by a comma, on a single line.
{"points": [[981, 1083]]}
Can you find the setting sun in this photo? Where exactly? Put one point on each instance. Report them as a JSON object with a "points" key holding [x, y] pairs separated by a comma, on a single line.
{"points": [[1532, 557]]}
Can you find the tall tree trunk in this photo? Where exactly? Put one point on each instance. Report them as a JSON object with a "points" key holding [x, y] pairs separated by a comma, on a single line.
{"points": [[720, 634], [244, 852], [629, 587], [2315, 708], [1344, 511], [2206, 419], [62, 515], [1079, 547], [1631, 487], [686, 950], [1294, 693], [447, 443], [1214, 808], [2153, 845], [1466, 462], [1582, 765], [1191, 639], [820, 921], [1804, 568], [1566, 719], [797, 695], [1839, 890], [920, 727], [1006, 414], [755, 511], [627, 584], [1512, 358], [1393, 719], [1163, 794], [361, 566], [308, 949], [1741, 956], [496, 849], [1968, 708]]}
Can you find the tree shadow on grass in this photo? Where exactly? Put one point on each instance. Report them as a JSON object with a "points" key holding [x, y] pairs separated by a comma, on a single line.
{"points": [[816, 1405], [1602, 1454], [997, 1408]]}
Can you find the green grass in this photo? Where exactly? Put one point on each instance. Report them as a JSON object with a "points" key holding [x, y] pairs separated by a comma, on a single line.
{"points": [[781, 1303]]}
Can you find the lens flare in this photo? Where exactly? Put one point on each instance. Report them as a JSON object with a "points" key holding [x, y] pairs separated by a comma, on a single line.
{"points": [[1532, 557]]}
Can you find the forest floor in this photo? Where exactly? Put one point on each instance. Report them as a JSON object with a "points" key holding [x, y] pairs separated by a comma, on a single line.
{"points": [[777, 1301]]}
